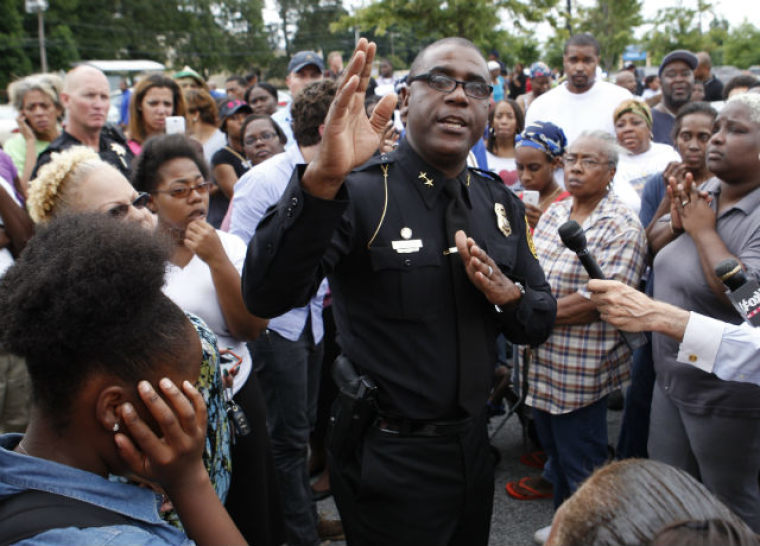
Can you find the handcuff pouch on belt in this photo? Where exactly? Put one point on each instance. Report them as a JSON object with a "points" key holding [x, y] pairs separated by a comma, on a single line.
{"points": [[355, 408]]}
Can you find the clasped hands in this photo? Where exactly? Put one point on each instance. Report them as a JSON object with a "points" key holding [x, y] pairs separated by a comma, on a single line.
{"points": [[690, 209]]}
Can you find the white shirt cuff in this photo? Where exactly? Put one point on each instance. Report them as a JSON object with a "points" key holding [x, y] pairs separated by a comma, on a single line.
{"points": [[701, 341]]}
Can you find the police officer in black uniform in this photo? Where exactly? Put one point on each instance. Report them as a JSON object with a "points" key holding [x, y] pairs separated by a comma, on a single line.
{"points": [[427, 261], [86, 98]]}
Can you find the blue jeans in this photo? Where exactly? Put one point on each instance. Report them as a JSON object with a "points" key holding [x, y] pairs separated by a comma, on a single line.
{"points": [[289, 375], [576, 444]]}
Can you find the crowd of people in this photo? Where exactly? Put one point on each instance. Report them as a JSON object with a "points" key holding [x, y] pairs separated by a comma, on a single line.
{"points": [[207, 308]]}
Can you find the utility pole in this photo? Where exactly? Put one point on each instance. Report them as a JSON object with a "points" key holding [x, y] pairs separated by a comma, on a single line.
{"points": [[39, 7], [568, 24]]}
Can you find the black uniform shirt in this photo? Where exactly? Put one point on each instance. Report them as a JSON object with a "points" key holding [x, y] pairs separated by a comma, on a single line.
{"points": [[113, 150], [395, 310]]}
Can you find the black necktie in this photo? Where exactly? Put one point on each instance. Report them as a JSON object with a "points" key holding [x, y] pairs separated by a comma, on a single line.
{"points": [[474, 368]]}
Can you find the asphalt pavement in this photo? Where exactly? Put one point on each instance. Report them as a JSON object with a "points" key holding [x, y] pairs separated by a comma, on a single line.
{"points": [[513, 522]]}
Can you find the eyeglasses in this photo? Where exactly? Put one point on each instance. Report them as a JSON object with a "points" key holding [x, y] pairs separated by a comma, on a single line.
{"points": [[266, 135], [181, 192], [586, 162], [120, 211], [446, 84]]}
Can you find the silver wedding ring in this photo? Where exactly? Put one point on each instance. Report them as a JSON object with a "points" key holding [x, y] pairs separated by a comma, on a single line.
{"points": [[684, 203], [490, 271]]}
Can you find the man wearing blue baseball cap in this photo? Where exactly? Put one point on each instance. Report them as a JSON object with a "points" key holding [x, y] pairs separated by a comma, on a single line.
{"points": [[304, 67]]}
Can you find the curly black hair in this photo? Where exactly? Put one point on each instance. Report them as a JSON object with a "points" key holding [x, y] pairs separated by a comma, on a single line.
{"points": [[85, 297], [309, 111], [157, 151]]}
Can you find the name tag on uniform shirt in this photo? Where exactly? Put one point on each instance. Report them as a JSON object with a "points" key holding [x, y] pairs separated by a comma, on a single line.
{"points": [[406, 247]]}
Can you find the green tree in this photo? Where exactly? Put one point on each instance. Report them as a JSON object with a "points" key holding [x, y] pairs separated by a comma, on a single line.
{"points": [[314, 28], [612, 23], [741, 46], [14, 60], [681, 28], [477, 20]]}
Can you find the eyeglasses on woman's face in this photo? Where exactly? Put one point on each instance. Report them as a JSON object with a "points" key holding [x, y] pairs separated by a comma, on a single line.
{"points": [[181, 192], [121, 210]]}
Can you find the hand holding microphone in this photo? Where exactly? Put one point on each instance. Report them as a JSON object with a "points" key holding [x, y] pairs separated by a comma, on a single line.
{"points": [[574, 238]]}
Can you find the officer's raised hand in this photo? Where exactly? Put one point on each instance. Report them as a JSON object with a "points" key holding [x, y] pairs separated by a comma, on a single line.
{"points": [[485, 274], [349, 137]]}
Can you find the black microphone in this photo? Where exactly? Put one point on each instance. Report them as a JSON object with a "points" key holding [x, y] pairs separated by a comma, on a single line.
{"points": [[731, 274], [744, 293], [573, 238]]}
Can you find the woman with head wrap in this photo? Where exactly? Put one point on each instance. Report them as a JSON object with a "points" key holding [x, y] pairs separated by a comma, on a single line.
{"points": [[538, 156], [540, 81], [642, 157]]}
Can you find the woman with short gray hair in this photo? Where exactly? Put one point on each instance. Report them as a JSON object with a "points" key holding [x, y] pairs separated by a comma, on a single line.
{"points": [[37, 100], [584, 359]]}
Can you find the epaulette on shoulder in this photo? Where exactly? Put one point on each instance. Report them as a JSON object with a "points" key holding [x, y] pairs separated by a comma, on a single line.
{"points": [[376, 161], [491, 177]]}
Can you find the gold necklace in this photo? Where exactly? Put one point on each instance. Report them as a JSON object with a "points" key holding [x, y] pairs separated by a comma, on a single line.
{"points": [[549, 198]]}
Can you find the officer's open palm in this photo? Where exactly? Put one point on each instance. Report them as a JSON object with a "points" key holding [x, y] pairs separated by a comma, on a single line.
{"points": [[349, 137]]}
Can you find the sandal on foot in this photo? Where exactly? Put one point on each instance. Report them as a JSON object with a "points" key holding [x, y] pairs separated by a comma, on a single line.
{"points": [[530, 488]]}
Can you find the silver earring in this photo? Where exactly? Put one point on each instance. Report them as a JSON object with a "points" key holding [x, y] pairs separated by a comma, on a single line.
{"points": [[115, 428]]}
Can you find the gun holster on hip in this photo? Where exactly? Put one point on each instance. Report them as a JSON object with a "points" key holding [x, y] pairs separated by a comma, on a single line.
{"points": [[354, 410]]}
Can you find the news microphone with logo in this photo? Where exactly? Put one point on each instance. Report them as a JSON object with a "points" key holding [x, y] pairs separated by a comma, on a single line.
{"points": [[573, 238], [744, 293]]}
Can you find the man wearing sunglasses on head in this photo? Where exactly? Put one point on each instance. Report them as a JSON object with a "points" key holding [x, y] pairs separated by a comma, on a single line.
{"points": [[427, 261]]}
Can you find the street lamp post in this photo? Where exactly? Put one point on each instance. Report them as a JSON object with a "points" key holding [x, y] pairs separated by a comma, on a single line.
{"points": [[39, 7]]}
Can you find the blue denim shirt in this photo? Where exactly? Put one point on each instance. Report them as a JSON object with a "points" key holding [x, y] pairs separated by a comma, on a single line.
{"points": [[21, 472], [256, 191]]}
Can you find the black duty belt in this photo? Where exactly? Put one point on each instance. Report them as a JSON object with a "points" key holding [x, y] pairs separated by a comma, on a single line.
{"points": [[408, 427]]}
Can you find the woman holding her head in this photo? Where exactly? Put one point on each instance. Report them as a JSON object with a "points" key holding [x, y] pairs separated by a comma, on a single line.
{"points": [[154, 99], [538, 157], [699, 423], [505, 122], [584, 359], [113, 363], [77, 181], [37, 100], [203, 277]]}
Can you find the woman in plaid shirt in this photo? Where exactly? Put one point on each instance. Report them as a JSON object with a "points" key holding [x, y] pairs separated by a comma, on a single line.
{"points": [[585, 359]]}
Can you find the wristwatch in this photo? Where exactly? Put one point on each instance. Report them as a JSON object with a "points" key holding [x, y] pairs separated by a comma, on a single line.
{"points": [[521, 288]]}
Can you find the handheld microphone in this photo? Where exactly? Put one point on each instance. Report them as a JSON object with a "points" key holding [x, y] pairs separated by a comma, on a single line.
{"points": [[573, 238], [744, 293]]}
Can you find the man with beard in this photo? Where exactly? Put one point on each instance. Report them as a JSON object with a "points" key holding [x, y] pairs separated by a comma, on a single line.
{"points": [[581, 103], [677, 82], [428, 261]]}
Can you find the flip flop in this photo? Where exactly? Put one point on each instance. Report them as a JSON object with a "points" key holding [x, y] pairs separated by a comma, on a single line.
{"points": [[534, 459], [522, 490]]}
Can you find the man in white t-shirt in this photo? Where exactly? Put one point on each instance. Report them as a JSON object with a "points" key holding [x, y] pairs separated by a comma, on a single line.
{"points": [[581, 103]]}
